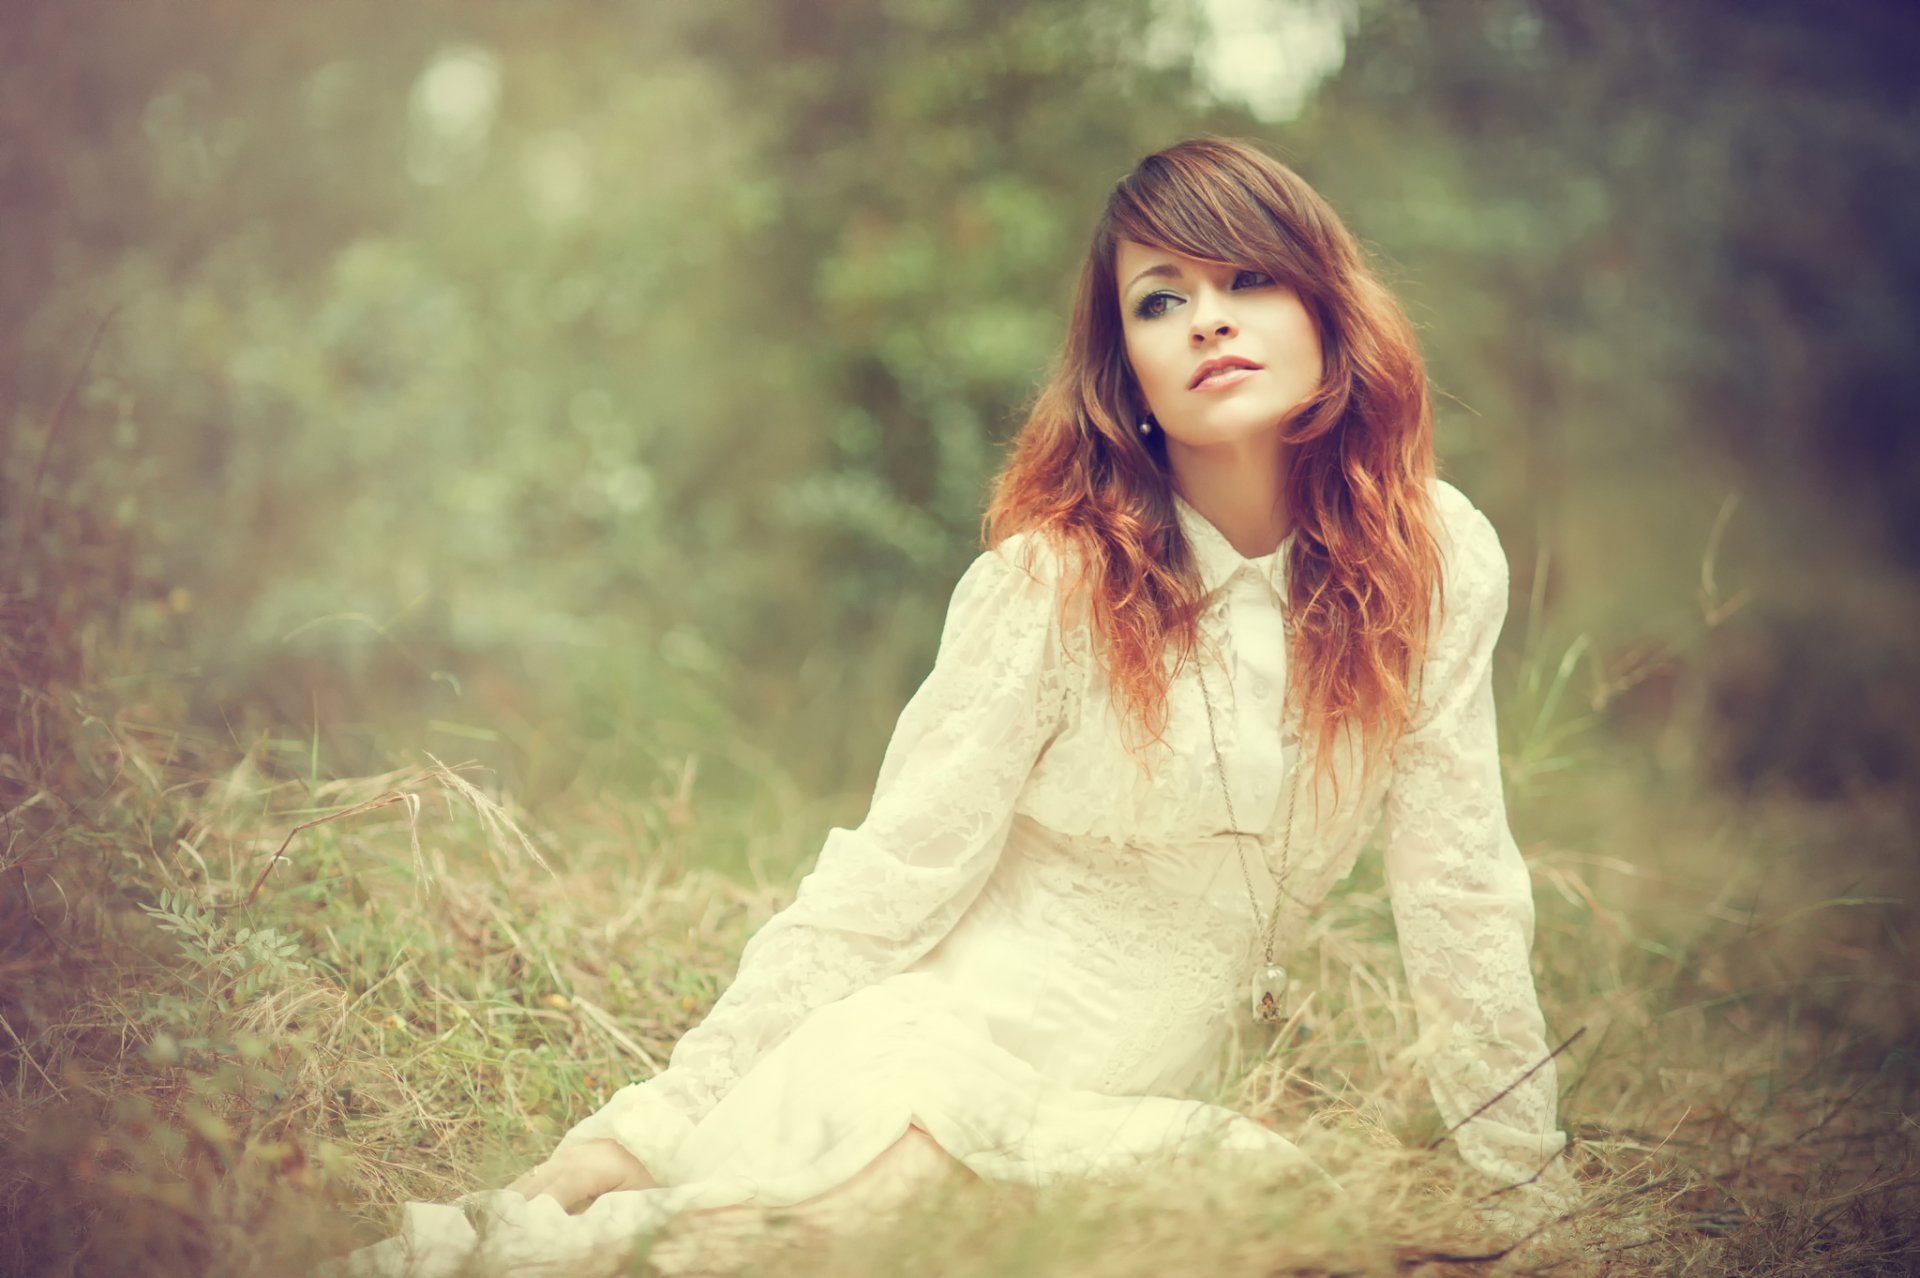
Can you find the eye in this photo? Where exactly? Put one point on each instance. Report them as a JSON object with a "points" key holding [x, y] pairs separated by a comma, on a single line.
{"points": [[1252, 279], [1155, 304]]}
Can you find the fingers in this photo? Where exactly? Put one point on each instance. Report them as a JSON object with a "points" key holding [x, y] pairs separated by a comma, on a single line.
{"points": [[566, 1187], [565, 1180], [583, 1173], [534, 1181]]}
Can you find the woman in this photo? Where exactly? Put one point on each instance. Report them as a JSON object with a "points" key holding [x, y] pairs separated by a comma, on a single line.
{"points": [[1228, 620]]}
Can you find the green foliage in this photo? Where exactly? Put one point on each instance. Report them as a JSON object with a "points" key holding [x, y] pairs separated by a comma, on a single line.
{"points": [[242, 962], [1548, 734]]}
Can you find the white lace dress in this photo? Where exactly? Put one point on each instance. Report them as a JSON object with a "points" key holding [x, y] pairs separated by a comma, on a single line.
{"points": [[1032, 947]]}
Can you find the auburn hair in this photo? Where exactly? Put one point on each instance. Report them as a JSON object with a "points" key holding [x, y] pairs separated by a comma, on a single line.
{"points": [[1364, 565]]}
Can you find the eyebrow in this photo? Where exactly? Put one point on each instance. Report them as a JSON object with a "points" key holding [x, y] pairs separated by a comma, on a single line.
{"points": [[1167, 269]]}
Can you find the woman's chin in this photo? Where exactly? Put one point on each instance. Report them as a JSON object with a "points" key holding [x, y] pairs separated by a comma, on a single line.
{"points": [[1250, 431]]}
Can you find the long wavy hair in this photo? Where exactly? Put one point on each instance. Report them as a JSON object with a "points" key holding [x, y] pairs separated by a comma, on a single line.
{"points": [[1364, 564]]}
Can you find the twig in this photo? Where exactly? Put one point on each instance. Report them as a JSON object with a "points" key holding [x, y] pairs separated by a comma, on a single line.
{"points": [[1507, 1091], [407, 797]]}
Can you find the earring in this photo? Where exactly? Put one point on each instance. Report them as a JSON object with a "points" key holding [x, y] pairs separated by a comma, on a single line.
{"points": [[1146, 425]]}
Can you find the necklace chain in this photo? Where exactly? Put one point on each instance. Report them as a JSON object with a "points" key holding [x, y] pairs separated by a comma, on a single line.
{"points": [[1270, 926]]}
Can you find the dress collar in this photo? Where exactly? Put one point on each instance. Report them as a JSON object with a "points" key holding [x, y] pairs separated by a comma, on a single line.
{"points": [[1216, 558]]}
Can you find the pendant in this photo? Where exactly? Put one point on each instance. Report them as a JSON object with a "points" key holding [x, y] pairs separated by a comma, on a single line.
{"points": [[1268, 996]]}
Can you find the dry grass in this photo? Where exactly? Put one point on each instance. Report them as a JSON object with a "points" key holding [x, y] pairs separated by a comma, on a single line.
{"points": [[425, 995]]}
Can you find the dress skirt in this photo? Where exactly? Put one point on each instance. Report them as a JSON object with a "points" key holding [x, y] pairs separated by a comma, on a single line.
{"points": [[814, 1112]]}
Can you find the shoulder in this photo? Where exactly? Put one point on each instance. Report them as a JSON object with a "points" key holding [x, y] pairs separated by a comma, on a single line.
{"points": [[1017, 578], [1471, 555], [1473, 564], [1006, 607], [1027, 582], [1469, 610], [1043, 562]]}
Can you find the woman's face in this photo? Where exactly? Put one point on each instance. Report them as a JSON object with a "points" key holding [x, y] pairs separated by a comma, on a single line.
{"points": [[1221, 353]]}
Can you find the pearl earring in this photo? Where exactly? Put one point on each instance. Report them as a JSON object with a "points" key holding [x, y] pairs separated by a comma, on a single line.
{"points": [[1146, 426]]}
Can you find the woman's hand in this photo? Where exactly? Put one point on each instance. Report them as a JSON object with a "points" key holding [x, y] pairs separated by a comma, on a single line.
{"points": [[579, 1175]]}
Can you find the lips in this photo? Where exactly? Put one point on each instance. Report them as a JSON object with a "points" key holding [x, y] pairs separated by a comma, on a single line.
{"points": [[1213, 367]]}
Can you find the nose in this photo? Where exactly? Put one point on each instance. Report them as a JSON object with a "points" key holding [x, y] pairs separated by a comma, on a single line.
{"points": [[1211, 323]]}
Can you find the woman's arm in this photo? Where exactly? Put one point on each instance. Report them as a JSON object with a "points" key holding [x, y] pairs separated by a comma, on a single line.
{"points": [[1462, 900], [883, 894]]}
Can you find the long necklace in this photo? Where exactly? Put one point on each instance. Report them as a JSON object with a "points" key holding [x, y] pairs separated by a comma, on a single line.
{"points": [[1267, 996]]}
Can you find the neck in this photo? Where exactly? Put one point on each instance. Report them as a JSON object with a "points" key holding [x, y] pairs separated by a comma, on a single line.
{"points": [[1238, 487]]}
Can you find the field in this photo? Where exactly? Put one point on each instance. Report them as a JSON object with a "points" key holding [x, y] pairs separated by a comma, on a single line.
{"points": [[220, 1063]]}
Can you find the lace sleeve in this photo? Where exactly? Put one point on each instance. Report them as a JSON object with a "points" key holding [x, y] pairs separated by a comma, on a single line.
{"points": [[1462, 900], [883, 894]]}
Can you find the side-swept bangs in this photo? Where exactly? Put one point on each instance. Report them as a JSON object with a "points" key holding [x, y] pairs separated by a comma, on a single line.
{"points": [[1217, 209]]}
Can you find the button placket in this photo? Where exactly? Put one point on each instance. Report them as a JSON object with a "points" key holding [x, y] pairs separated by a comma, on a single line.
{"points": [[1257, 641]]}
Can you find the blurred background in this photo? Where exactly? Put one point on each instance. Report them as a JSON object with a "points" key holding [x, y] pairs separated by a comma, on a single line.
{"points": [[607, 394], [599, 390]]}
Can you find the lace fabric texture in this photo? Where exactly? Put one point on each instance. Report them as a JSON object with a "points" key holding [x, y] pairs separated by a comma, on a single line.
{"points": [[1088, 911]]}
